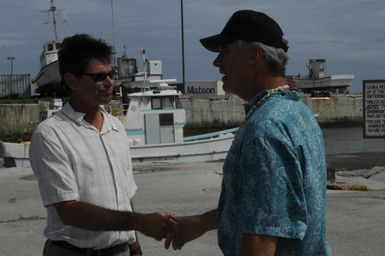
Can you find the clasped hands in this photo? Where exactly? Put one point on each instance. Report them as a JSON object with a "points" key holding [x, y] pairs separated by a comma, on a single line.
{"points": [[176, 231]]}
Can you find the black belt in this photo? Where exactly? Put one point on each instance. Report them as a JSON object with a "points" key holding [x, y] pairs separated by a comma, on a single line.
{"points": [[110, 251]]}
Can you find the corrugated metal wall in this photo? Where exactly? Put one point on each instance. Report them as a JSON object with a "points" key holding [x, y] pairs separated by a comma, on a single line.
{"points": [[18, 84]]}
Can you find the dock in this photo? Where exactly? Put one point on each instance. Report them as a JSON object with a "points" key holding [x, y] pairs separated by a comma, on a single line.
{"points": [[355, 222]]}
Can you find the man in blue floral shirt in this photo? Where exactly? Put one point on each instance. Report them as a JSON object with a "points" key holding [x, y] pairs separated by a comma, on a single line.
{"points": [[273, 194]]}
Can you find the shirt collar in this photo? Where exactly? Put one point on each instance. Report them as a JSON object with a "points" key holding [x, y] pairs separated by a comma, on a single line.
{"points": [[291, 94], [78, 117], [253, 100]]}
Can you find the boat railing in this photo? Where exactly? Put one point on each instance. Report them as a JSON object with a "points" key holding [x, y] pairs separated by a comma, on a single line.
{"points": [[116, 108], [227, 132]]}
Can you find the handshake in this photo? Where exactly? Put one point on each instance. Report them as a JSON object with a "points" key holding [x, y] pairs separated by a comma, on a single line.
{"points": [[176, 231]]}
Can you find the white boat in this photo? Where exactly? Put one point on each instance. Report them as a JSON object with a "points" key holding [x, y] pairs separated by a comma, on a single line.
{"points": [[318, 83], [155, 135], [154, 120], [48, 80], [212, 148]]}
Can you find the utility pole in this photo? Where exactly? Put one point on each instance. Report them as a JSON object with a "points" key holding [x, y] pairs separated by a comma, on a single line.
{"points": [[182, 25], [11, 59], [113, 32]]}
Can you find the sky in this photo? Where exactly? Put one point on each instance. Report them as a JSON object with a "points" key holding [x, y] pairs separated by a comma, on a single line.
{"points": [[349, 34]]}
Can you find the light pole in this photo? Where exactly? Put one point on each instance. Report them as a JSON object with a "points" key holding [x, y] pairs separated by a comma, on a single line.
{"points": [[182, 25], [11, 59], [113, 32]]}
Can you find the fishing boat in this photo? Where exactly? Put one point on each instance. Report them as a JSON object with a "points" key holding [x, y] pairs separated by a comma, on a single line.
{"points": [[48, 80], [154, 118], [318, 83]]}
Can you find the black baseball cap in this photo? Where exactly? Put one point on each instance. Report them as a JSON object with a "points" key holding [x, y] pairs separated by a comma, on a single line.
{"points": [[248, 25]]}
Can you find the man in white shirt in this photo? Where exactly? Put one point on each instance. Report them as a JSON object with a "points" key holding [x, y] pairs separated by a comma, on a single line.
{"points": [[82, 161]]}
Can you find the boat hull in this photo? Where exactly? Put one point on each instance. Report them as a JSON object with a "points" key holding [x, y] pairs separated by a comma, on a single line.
{"points": [[194, 151], [213, 149], [15, 154], [48, 79], [335, 83]]}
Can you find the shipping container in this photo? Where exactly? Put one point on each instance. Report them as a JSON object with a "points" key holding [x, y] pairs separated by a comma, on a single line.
{"points": [[18, 85]]}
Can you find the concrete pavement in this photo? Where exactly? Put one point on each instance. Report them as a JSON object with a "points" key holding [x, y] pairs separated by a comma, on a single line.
{"points": [[355, 226]]}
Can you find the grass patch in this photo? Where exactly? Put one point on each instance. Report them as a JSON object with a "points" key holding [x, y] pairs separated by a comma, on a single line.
{"points": [[16, 136], [34, 100]]}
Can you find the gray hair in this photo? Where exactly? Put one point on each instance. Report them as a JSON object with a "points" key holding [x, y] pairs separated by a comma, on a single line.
{"points": [[275, 58]]}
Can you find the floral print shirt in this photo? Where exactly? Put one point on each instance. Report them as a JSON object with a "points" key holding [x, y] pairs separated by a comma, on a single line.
{"points": [[274, 179]]}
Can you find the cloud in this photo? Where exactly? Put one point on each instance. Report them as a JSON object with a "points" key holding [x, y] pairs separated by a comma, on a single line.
{"points": [[348, 33]]}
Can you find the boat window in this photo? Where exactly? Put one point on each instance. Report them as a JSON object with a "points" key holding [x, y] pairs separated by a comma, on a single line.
{"points": [[165, 102], [178, 104], [168, 102], [50, 47], [58, 45], [156, 103], [166, 119], [126, 101]]}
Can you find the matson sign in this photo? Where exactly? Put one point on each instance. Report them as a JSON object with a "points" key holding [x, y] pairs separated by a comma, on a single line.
{"points": [[204, 88], [199, 90], [374, 108]]}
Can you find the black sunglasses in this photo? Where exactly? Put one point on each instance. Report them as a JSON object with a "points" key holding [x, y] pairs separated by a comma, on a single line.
{"points": [[101, 76]]}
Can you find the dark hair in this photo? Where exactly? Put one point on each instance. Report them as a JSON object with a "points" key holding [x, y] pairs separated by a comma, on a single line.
{"points": [[77, 50]]}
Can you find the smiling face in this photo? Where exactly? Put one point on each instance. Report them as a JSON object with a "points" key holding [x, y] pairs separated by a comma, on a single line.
{"points": [[235, 65], [85, 91]]}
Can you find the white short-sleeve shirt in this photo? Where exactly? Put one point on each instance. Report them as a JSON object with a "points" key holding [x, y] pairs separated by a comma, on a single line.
{"points": [[72, 160]]}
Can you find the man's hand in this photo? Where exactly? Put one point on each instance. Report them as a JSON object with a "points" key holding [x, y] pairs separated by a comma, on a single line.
{"points": [[188, 228], [135, 249], [184, 229], [154, 225]]}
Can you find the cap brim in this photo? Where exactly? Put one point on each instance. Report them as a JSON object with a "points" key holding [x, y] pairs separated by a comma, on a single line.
{"points": [[213, 43]]}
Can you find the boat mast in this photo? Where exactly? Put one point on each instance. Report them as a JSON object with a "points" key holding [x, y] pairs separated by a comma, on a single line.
{"points": [[145, 66], [52, 12]]}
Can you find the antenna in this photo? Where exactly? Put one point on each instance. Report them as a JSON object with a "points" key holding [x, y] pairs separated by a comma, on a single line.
{"points": [[124, 51], [52, 12], [143, 54], [145, 61]]}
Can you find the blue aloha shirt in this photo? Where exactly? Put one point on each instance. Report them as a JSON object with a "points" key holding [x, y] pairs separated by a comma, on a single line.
{"points": [[274, 179]]}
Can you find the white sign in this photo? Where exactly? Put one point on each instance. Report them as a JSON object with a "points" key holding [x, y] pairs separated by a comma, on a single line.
{"points": [[374, 108], [208, 88]]}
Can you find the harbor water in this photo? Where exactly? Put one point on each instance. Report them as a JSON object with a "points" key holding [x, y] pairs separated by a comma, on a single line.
{"points": [[347, 140], [338, 141]]}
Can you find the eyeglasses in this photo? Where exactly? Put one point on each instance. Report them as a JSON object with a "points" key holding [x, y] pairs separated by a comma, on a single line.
{"points": [[101, 76]]}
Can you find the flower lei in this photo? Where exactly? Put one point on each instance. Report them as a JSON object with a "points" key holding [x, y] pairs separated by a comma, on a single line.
{"points": [[269, 93]]}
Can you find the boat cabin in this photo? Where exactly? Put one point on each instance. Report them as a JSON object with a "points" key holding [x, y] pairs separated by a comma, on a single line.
{"points": [[152, 112], [317, 68], [154, 116], [50, 52]]}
